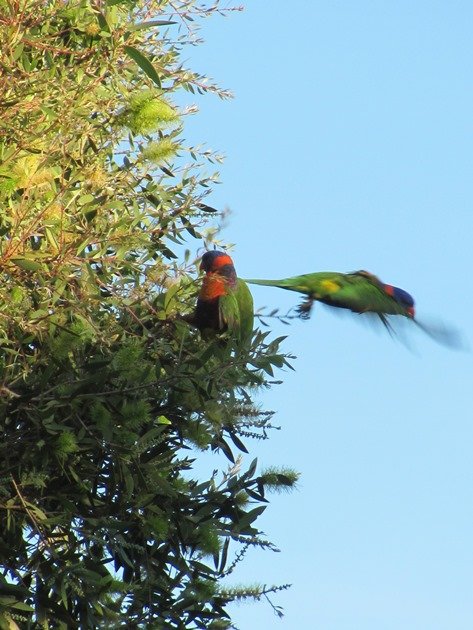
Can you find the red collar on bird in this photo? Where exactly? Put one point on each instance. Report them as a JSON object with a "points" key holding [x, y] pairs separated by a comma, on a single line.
{"points": [[213, 286]]}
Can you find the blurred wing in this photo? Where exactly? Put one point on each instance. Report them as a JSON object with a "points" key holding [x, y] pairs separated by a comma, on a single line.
{"points": [[442, 333], [400, 328]]}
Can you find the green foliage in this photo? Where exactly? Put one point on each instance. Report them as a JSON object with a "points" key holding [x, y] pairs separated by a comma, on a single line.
{"points": [[161, 151], [279, 479], [148, 111], [106, 396]]}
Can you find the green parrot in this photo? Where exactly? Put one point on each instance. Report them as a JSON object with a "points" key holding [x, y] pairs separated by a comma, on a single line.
{"points": [[225, 301], [360, 292]]}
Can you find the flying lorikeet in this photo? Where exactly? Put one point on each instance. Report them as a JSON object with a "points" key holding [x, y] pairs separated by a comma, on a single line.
{"points": [[360, 292], [224, 301]]}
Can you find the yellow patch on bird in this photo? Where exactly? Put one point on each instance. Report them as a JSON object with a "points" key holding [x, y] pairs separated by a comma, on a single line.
{"points": [[329, 285]]}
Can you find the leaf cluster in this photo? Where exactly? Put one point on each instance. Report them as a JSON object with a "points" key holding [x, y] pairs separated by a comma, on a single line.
{"points": [[107, 397]]}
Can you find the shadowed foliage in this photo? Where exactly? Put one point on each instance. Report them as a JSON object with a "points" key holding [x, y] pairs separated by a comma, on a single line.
{"points": [[107, 398]]}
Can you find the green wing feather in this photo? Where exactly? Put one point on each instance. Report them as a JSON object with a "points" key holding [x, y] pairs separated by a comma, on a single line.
{"points": [[245, 304], [237, 311], [363, 293], [229, 311]]}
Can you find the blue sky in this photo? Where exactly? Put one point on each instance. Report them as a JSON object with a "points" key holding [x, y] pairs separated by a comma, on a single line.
{"points": [[349, 145]]}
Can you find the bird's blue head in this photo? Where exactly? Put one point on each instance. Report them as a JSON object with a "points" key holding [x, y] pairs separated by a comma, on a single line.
{"points": [[404, 298], [215, 261]]}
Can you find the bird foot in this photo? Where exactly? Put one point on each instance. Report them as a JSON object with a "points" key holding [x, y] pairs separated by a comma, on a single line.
{"points": [[304, 309]]}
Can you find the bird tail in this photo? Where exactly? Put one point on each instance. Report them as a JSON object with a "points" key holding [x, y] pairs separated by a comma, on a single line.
{"points": [[280, 284]]}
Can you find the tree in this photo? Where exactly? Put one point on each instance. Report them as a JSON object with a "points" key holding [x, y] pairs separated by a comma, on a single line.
{"points": [[107, 397]]}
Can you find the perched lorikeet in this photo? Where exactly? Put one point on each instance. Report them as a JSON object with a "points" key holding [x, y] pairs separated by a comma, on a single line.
{"points": [[224, 302], [360, 292]]}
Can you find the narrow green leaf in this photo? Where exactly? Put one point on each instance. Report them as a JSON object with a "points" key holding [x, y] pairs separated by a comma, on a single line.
{"points": [[51, 238], [223, 560], [102, 20], [205, 208], [27, 264], [18, 51], [150, 24], [227, 451], [251, 516], [48, 112], [22, 606], [144, 63], [168, 297], [238, 443]]}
